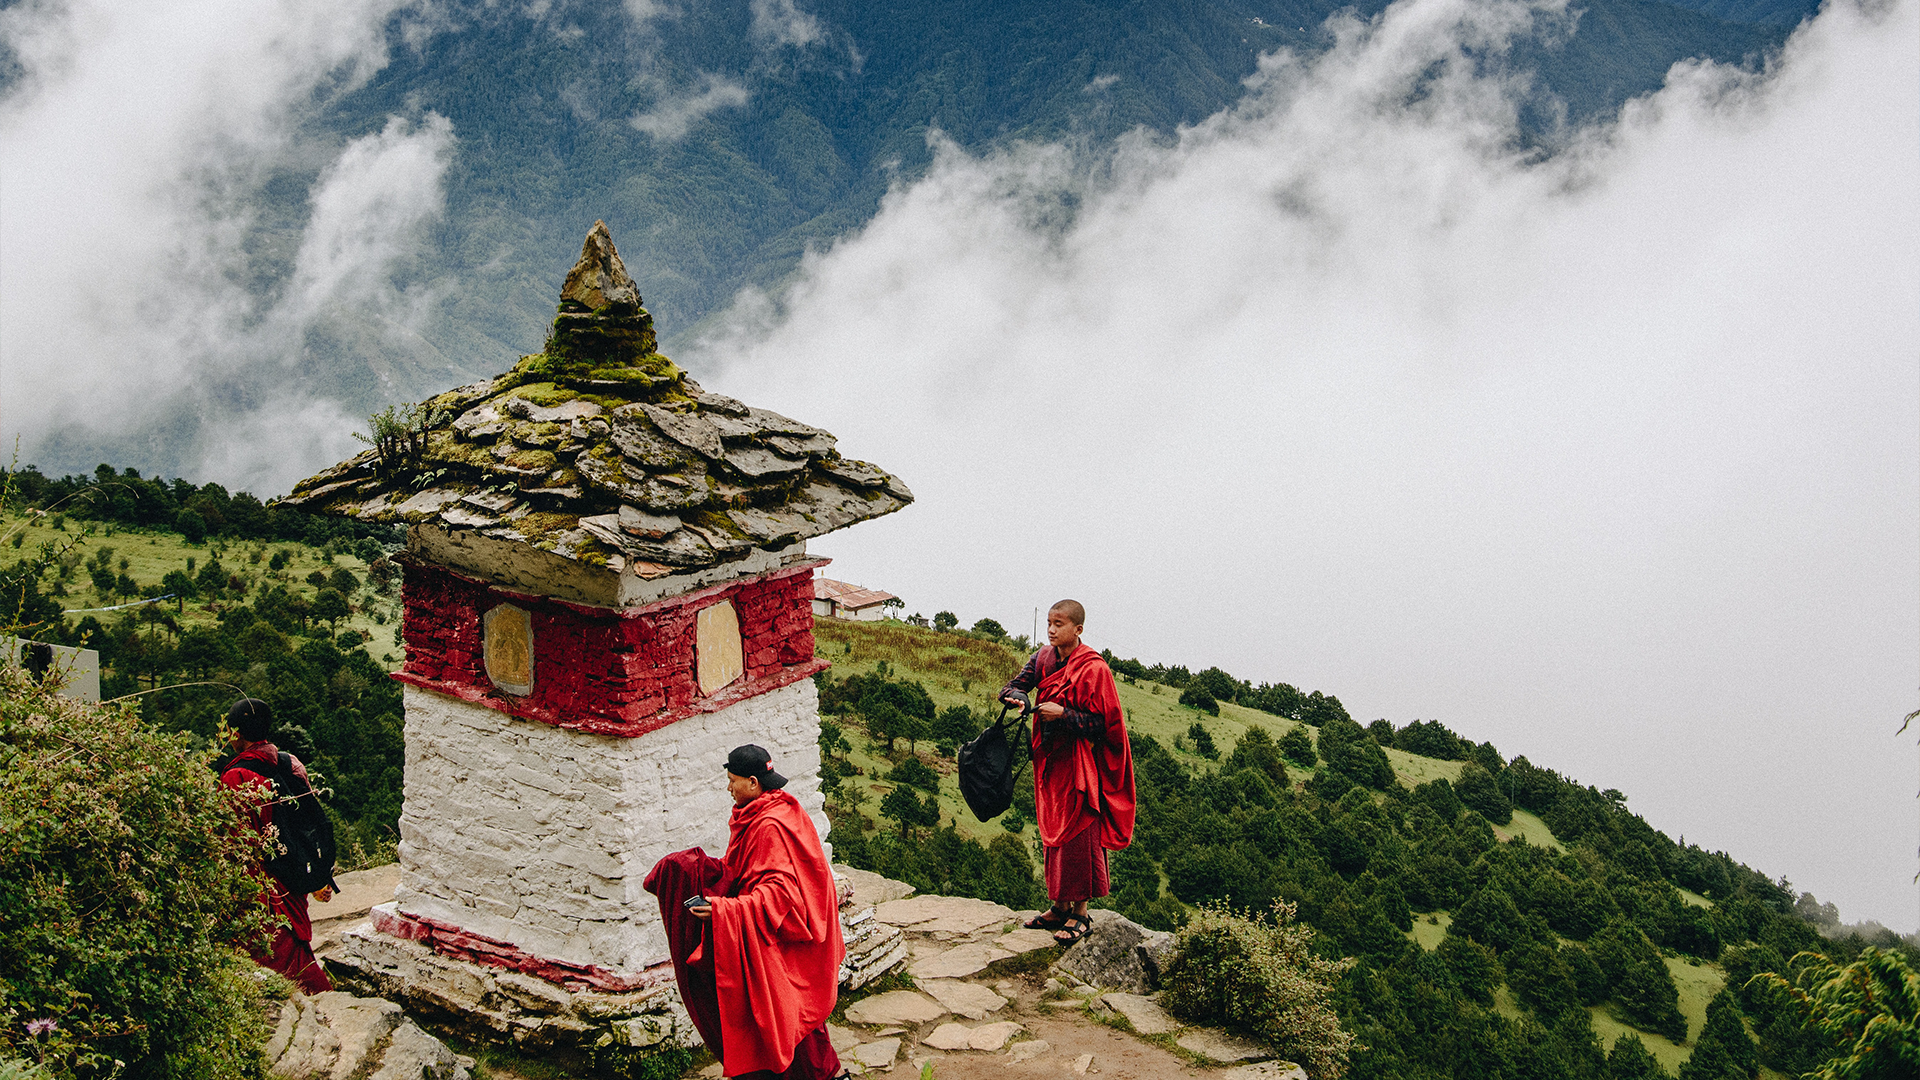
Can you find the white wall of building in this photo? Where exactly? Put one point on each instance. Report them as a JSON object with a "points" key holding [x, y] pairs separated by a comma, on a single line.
{"points": [[541, 837]]}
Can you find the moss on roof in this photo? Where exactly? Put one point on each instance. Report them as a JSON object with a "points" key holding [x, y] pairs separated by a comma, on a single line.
{"points": [[598, 447]]}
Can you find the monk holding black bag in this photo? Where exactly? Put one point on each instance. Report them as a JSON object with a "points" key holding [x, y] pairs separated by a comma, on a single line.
{"points": [[1082, 768]]}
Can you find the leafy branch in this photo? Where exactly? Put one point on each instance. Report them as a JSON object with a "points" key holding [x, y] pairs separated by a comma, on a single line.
{"points": [[400, 434]]}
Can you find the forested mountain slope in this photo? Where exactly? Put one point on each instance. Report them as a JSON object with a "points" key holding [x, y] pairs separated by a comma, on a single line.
{"points": [[718, 153], [1507, 920]]}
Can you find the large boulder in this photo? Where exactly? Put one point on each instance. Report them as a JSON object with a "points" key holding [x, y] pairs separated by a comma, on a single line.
{"points": [[1119, 954], [335, 1035]]}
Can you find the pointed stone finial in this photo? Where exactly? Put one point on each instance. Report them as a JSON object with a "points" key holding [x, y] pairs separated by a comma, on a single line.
{"points": [[600, 280]]}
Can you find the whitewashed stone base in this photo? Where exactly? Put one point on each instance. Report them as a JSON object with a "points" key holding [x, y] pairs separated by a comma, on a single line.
{"points": [[541, 837]]}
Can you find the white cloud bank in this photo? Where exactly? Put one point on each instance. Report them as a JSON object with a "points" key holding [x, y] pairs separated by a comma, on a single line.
{"points": [[131, 158], [1613, 459]]}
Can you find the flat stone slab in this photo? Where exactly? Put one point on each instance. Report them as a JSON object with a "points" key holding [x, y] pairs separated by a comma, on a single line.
{"points": [[949, 1037], [878, 1054], [894, 1007], [843, 1039], [1024, 940], [1266, 1070], [970, 1000], [953, 914], [1029, 1050], [990, 1037], [1220, 1046], [871, 889], [1146, 1015], [957, 962], [359, 891]]}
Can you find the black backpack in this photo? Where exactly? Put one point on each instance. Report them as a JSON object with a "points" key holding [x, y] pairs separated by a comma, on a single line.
{"points": [[305, 860], [987, 767]]}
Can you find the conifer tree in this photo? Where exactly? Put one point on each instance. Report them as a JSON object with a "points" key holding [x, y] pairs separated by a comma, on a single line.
{"points": [[1631, 1060]]}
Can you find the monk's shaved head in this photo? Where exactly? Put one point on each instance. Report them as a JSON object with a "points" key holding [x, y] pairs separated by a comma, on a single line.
{"points": [[1072, 610]]}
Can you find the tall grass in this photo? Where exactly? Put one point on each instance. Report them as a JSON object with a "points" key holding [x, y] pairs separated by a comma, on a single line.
{"points": [[952, 657]]}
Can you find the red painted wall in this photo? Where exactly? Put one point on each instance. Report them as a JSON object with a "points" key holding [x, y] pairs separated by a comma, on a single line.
{"points": [[601, 670]]}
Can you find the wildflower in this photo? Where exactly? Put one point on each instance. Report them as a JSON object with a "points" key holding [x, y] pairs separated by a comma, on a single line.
{"points": [[43, 1026]]}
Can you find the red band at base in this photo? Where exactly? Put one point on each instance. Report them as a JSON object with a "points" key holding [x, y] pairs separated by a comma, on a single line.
{"points": [[449, 940]]}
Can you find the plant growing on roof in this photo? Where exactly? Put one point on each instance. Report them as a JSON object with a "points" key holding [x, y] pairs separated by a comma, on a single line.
{"points": [[400, 435]]}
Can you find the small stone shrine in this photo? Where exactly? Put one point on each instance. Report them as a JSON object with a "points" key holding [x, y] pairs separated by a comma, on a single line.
{"points": [[607, 587]]}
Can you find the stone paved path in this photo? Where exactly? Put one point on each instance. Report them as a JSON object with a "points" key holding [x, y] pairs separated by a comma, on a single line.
{"points": [[981, 1012]]}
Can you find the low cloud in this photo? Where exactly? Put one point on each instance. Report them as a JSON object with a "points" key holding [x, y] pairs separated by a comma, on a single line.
{"points": [[1607, 455], [155, 298], [675, 114], [780, 22]]}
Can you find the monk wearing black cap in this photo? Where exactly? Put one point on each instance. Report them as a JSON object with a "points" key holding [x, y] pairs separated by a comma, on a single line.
{"points": [[254, 760], [773, 952]]}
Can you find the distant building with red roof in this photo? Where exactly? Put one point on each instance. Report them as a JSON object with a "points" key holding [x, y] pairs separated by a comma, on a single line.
{"points": [[839, 600]]}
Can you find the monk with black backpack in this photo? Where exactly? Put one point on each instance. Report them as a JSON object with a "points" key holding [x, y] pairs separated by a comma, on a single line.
{"points": [[300, 860]]}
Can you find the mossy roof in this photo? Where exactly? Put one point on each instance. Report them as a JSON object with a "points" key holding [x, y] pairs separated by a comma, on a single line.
{"points": [[599, 447]]}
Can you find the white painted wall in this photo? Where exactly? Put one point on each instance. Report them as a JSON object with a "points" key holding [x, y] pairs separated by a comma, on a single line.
{"points": [[539, 836]]}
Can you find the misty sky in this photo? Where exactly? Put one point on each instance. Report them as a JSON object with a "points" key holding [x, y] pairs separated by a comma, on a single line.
{"points": [[1612, 458]]}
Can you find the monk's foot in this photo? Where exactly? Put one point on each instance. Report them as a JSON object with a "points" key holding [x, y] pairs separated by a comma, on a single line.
{"points": [[1051, 919], [1076, 927]]}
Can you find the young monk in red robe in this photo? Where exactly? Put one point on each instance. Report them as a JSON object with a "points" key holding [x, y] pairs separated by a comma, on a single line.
{"points": [[291, 951], [1082, 768], [773, 951]]}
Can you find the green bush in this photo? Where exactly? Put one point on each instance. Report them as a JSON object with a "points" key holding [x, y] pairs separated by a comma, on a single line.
{"points": [[1195, 697], [1261, 977], [915, 773], [1297, 747], [125, 898]]}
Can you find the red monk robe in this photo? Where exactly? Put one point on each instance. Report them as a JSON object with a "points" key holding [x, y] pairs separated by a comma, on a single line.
{"points": [[776, 936], [291, 951], [1081, 783]]}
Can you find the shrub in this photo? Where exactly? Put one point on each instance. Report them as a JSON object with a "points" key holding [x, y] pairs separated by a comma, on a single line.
{"points": [[1261, 976], [1297, 746], [915, 773], [124, 897], [1480, 791], [1203, 742], [1257, 750], [1198, 698]]}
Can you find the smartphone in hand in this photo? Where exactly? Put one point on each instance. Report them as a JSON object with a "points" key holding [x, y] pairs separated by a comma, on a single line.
{"points": [[694, 901]]}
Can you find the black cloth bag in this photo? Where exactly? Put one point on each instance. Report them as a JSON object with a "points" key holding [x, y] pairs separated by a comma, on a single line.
{"points": [[987, 766]]}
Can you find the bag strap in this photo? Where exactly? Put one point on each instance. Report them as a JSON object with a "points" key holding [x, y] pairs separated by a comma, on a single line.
{"points": [[292, 777], [1021, 737]]}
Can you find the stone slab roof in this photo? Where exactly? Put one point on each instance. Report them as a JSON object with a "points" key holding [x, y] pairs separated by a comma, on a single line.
{"points": [[601, 450]]}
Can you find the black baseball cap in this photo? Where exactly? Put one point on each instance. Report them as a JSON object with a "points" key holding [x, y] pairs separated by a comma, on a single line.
{"points": [[251, 717], [754, 761]]}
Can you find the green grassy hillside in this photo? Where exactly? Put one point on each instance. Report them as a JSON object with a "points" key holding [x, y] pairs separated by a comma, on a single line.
{"points": [[301, 612], [150, 554], [1545, 932]]}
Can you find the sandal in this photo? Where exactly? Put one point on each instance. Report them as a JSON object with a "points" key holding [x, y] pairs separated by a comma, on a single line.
{"points": [[1075, 928], [1052, 919]]}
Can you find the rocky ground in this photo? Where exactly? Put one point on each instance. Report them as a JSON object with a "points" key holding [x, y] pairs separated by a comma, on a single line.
{"points": [[980, 997]]}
